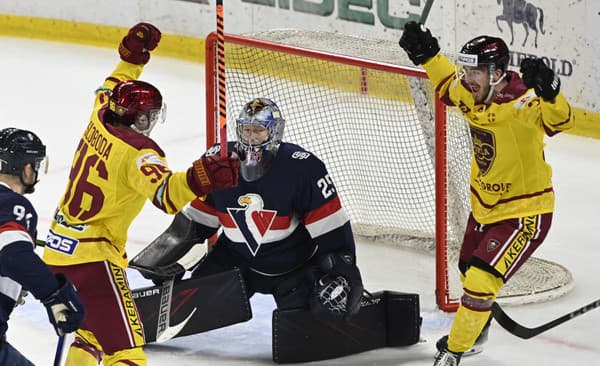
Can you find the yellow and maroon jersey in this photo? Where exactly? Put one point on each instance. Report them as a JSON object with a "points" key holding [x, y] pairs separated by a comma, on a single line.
{"points": [[509, 176], [114, 172]]}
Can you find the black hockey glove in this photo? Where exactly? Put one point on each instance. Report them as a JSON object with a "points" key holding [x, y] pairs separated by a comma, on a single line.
{"points": [[418, 43], [338, 291], [65, 310], [541, 78]]}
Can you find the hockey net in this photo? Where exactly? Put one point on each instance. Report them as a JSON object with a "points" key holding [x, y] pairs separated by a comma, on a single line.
{"points": [[373, 121]]}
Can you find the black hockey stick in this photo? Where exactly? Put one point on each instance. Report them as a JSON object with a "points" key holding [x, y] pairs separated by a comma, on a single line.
{"points": [[523, 332], [164, 331], [58, 355]]}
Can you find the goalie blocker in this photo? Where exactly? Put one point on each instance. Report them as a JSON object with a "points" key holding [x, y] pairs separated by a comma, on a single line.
{"points": [[385, 319]]}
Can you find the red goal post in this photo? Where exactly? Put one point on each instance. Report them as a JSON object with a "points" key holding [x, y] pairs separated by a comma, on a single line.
{"points": [[408, 183]]}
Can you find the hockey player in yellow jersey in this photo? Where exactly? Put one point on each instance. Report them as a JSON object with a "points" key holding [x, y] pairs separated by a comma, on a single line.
{"points": [[116, 168], [512, 199]]}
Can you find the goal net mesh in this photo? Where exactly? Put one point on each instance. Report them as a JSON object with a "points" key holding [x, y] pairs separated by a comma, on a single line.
{"points": [[374, 129]]}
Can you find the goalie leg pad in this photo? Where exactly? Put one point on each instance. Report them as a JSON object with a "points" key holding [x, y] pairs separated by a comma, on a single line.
{"points": [[386, 319], [216, 301]]}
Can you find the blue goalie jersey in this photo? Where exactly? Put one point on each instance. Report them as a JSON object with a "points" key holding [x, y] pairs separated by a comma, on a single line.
{"points": [[281, 220], [20, 267]]}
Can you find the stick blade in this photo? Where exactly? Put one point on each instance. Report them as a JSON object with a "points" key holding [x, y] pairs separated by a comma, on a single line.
{"points": [[510, 325]]}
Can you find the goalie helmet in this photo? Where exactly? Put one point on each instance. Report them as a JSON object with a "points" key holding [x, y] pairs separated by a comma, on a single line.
{"points": [[259, 130], [137, 104], [19, 148]]}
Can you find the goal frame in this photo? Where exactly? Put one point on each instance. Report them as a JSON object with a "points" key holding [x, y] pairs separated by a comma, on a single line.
{"points": [[442, 291]]}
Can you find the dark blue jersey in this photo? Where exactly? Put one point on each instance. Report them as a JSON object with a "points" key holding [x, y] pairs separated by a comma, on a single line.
{"points": [[280, 221], [20, 266]]}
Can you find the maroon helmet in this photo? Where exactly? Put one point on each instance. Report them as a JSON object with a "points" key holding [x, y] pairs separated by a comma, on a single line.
{"points": [[486, 52], [138, 104], [489, 51]]}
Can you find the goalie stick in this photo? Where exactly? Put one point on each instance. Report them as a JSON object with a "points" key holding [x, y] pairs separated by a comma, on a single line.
{"points": [[164, 331], [523, 332]]}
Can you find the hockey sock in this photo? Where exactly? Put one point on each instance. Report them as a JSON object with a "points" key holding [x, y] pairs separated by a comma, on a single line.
{"points": [[83, 353], [480, 289], [127, 357]]}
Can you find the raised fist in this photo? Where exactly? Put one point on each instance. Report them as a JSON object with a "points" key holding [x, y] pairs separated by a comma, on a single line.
{"points": [[135, 46], [418, 43], [213, 172], [541, 78]]}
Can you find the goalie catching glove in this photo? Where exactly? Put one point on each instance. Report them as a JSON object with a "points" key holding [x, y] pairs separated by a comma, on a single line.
{"points": [[418, 43], [65, 310], [135, 46], [338, 291], [541, 78], [213, 172]]}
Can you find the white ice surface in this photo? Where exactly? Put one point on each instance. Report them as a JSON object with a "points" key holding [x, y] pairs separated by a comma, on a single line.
{"points": [[48, 87]]}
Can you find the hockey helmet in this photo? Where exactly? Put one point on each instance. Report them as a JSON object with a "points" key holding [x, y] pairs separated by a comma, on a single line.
{"points": [[487, 52], [137, 104], [19, 148], [259, 130]]}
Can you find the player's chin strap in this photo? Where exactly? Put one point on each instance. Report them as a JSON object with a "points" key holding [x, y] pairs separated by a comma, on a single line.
{"points": [[493, 84]]}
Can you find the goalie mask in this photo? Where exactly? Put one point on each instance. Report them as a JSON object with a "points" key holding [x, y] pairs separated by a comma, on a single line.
{"points": [[478, 61], [259, 130], [19, 148], [137, 104]]}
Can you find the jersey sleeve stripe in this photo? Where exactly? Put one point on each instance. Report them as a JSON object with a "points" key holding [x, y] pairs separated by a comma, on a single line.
{"points": [[10, 288], [327, 224], [201, 216], [11, 233], [323, 211]]}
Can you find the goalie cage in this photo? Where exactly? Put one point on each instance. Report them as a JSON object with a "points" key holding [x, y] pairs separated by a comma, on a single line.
{"points": [[372, 120]]}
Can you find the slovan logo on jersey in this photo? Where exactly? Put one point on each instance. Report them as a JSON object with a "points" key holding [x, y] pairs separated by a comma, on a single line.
{"points": [[252, 220]]}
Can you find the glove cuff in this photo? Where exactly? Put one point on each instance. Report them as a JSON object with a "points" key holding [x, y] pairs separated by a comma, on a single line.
{"points": [[198, 180], [133, 57]]}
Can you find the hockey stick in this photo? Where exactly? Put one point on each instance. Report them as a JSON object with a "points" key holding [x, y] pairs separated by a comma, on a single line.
{"points": [[164, 331], [221, 78], [523, 332], [425, 12], [59, 350]]}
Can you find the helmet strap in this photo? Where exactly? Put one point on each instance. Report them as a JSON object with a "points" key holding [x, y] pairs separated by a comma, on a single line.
{"points": [[492, 70], [29, 188]]}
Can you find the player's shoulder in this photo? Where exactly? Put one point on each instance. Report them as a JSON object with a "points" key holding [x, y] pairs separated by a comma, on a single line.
{"points": [[298, 154], [101, 134], [9, 200]]}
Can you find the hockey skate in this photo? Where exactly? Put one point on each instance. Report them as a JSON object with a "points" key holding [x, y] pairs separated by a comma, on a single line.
{"points": [[477, 347], [445, 357]]}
